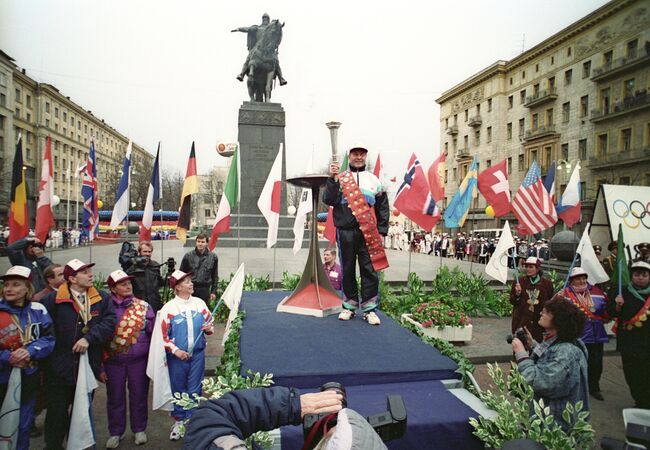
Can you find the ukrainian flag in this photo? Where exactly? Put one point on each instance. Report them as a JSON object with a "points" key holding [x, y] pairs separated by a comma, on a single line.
{"points": [[18, 223], [457, 210]]}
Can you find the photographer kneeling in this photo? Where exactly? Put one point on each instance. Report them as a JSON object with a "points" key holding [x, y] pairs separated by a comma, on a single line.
{"points": [[145, 272], [556, 369], [224, 423]]}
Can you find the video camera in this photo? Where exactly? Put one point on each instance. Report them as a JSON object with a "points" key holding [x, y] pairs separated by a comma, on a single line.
{"points": [[389, 425], [519, 334], [129, 257]]}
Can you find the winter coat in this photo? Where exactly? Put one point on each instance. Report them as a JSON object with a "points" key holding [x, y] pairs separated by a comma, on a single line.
{"points": [[521, 313], [181, 324], [139, 350], [18, 258], [62, 366], [147, 283], [637, 339], [372, 191], [204, 268], [42, 334], [594, 329], [557, 372]]}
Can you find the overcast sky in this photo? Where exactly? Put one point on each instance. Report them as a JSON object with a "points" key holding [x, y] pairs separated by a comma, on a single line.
{"points": [[165, 70]]}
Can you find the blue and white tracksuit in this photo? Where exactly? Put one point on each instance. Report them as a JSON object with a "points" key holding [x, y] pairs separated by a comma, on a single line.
{"points": [[181, 324]]}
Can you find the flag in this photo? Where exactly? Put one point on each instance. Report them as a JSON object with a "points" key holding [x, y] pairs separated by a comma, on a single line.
{"points": [[329, 232], [81, 433], [304, 207], [378, 171], [269, 201], [190, 186], [157, 370], [10, 412], [228, 201], [589, 261], [232, 297], [435, 174], [44, 216], [569, 207], [549, 180], [414, 198], [18, 222], [153, 195], [528, 204], [457, 210], [497, 266], [121, 208], [493, 185], [621, 274], [90, 194]]}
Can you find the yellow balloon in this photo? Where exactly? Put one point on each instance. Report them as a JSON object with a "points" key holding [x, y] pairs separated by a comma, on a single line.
{"points": [[489, 211], [100, 204]]}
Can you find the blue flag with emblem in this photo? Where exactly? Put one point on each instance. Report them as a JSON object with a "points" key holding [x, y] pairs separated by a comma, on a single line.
{"points": [[457, 210]]}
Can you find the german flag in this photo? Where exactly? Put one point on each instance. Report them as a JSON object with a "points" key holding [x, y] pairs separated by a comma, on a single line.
{"points": [[18, 223], [190, 186]]}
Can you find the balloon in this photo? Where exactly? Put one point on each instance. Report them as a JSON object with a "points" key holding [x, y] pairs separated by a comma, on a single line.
{"points": [[100, 204], [489, 211], [291, 210], [396, 212], [55, 200]]}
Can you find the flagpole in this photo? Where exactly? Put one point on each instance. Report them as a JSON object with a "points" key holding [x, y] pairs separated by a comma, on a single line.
{"points": [[162, 231], [77, 202], [274, 252], [67, 214]]}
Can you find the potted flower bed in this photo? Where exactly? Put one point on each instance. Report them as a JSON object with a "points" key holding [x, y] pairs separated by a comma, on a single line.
{"points": [[442, 321]]}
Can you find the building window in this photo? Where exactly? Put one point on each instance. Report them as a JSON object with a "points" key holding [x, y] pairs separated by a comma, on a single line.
{"points": [[488, 163], [56, 112], [584, 106], [455, 120], [478, 109], [522, 97], [624, 180], [629, 88], [446, 175], [466, 142], [47, 123], [551, 84], [28, 137], [509, 165], [28, 101], [446, 147], [626, 139], [3, 79], [489, 104], [477, 137], [582, 149], [608, 57], [568, 51], [79, 125], [18, 112], [565, 152], [18, 95], [602, 144], [28, 117], [566, 111], [446, 123], [522, 124], [466, 115], [56, 161], [631, 48], [520, 163], [47, 107], [454, 174], [3, 100], [509, 130], [523, 74], [552, 60], [207, 213], [510, 102], [489, 134], [511, 81], [568, 76], [65, 115], [536, 90], [536, 67], [535, 121], [549, 116], [29, 153], [604, 100], [586, 69]]}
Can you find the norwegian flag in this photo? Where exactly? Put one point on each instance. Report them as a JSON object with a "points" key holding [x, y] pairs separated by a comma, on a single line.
{"points": [[414, 199], [90, 194], [531, 202]]}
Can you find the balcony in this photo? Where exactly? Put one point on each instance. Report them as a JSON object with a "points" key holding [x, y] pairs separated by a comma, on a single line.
{"points": [[475, 121], [540, 132], [630, 104], [462, 153], [619, 66], [541, 97], [623, 158], [452, 130]]}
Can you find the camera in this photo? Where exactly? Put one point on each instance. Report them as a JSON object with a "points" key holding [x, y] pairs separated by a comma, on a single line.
{"points": [[389, 425], [519, 334], [129, 257], [171, 264]]}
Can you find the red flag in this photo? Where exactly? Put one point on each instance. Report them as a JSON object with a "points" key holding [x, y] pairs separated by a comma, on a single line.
{"points": [[414, 198], [18, 223], [329, 232], [44, 216], [436, 183], [493, 185], [377, 171]]}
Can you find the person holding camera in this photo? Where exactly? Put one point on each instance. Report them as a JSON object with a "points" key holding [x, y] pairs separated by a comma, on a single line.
{"points": [[146, 275], [528, 296], [203, 265], [28, 252], [556, 368]]}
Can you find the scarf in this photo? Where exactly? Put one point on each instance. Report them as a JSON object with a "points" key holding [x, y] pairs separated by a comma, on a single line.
{"points": [[534, 280], [641, 294]]}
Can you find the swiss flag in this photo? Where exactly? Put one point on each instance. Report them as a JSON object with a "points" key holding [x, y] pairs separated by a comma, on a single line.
{"points": [[493, 185]]}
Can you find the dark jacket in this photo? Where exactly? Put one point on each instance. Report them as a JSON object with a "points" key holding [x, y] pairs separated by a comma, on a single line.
{"points": [[63, 364], [204, 268], [636, 339], [147, 283], [17, 257], [42, 333], [373, 193], [241, 413], [521, 313]]}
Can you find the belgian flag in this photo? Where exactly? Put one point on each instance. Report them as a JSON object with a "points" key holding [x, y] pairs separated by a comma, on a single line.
{"points": [[190, 186], [18, 222]]}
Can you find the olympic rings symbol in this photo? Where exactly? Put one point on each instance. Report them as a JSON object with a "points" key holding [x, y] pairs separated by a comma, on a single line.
{"points": [[635, 210]]}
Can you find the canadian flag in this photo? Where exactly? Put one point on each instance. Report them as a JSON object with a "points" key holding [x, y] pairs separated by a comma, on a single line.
{"points": [[493, 185], [44, 216], [269, 201]]}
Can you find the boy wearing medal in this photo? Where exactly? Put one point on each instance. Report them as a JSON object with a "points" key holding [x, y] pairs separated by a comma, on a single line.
{"points": [[84, 321], [528, 295], [592, 301], [26, 336], [125, 360]]}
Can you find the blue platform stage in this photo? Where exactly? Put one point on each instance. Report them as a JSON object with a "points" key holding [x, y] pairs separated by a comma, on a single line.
{"points": [[371, 362]]}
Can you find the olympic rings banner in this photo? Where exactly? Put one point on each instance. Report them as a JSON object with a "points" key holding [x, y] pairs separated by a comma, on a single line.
{"points": [[625, 205]]}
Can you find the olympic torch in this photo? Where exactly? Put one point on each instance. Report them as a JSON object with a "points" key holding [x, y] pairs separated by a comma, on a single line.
{"points": [[334, 131]]}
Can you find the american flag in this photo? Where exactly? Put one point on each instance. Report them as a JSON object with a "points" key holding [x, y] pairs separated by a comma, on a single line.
{"points": [[90, 194], [531, 202]]}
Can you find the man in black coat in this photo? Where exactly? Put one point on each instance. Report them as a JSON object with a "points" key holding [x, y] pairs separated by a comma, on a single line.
{"points": [[146, 276], [204, 267]]}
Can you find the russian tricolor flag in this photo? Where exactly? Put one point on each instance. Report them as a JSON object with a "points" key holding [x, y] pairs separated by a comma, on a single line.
{"points": [[569, 207]]}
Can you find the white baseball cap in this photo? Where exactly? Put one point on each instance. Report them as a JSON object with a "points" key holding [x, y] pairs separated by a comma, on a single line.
{"points": [[18, 272]]}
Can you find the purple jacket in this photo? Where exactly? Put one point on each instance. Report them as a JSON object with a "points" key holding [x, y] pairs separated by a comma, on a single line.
{"points": [[335, 275], [594, 329], [141, 348]]}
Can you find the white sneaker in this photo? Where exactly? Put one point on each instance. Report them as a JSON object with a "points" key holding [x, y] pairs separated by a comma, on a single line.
{"points": [[371, 318], [175, 434], [140, 438], [114, 441], [346, 314]]}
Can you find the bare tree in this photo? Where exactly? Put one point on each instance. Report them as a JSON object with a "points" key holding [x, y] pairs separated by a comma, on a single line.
{"points": [[172, 186]]}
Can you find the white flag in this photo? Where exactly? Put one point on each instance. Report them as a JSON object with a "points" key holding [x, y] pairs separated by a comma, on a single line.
{"points": [[232, 297], [121, 208], [304, 208], [269, 201], [589, 261], [157, 369], [81, 428], [497, 266], [10, 413]]}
